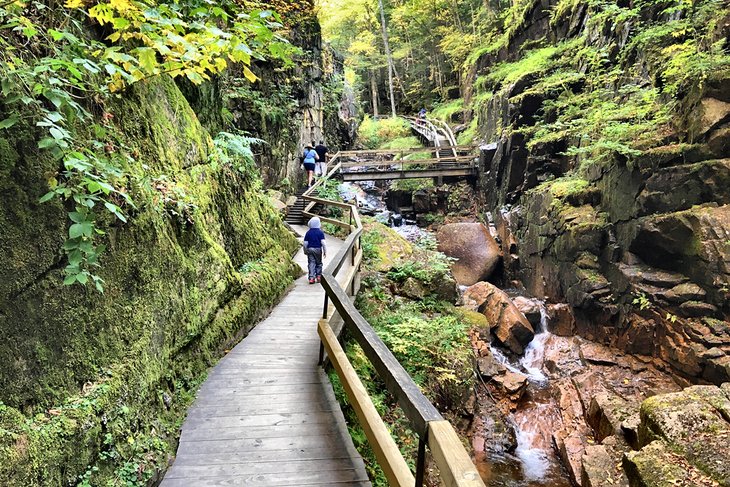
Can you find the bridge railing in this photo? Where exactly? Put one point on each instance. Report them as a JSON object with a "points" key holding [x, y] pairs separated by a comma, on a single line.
{"points": [[450, 456]]}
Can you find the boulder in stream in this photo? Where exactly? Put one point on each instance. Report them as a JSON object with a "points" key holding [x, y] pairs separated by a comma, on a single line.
{"points": [[476, 250], [508, 324]]}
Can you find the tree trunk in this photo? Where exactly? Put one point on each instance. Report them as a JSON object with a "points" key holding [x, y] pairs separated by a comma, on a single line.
{"points": [[374, 92], [389, 56]]}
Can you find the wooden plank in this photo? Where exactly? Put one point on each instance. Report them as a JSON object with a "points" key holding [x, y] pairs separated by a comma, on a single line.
{"points": [[288, 455], [411, 150], [248, 468], [246, 445], [259, 420], [272, 479], [423, 162], [386, 451], [455, 466], [230, 432]]}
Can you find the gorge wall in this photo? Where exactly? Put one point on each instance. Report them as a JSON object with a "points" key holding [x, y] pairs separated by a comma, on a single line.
{"points": [[94, 385], [290, 106], [608, 175]]}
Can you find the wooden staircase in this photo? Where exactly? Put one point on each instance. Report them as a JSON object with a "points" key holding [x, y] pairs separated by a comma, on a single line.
{"points": [[295, 213]]}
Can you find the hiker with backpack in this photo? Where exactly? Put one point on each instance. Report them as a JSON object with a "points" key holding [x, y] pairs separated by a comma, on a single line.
{"points": [[315, 249]]}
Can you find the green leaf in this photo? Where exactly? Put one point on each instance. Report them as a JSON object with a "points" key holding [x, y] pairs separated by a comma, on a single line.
{"points": [[83, 229], [70, 279], [74, 258], [9, 122], [76, 217], [47, 197], [47, 142], [57, 133], [83, 278]]}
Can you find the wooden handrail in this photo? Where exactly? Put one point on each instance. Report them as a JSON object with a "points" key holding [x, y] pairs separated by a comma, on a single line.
{"points": [[412, 150], [450, 456]]}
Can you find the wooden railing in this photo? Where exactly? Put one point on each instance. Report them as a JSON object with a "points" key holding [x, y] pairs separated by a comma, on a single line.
{"points": [[450, 456]]}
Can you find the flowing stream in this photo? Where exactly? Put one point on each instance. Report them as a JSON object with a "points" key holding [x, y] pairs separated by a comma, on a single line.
{"points": [[533, 462]]}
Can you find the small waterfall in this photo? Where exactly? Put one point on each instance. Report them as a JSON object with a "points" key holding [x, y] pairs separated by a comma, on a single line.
{"points": [[535, 461], [534, 357]]}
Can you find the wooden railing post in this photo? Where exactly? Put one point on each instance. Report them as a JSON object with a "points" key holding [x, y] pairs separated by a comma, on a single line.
{"points": [[421, 461]]}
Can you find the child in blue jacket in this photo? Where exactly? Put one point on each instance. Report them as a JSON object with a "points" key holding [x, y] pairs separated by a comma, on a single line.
{"points": [[315, 249]]}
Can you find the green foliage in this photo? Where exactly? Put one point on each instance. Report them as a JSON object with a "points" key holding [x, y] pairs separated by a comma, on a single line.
{"points": [[411, 185], [408, 142], [436, 264], [369, 242], [447, 110], [642, 301], [374, 133], [234, 150], [55, 76]]}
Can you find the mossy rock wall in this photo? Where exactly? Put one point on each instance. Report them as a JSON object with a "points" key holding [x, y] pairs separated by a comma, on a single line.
{"points": [[627, 218], [97, 383]]}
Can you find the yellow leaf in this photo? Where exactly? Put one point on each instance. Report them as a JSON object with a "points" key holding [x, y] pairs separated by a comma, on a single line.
{"points": [[74, 3], [249, 75], [121, 5]]}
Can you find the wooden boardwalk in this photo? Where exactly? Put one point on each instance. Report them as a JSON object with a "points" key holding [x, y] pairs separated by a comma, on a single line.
{"points": [[267, 415]]}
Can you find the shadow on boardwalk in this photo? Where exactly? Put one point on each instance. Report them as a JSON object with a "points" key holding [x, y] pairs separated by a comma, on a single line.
{"points": [[267, 415]]}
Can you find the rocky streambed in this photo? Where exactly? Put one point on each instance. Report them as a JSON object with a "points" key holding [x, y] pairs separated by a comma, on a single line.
{"points": [[554, 409]]}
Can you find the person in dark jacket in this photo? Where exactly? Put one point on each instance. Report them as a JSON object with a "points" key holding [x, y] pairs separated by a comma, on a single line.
{"points": [[321, 167], [315, 249]]}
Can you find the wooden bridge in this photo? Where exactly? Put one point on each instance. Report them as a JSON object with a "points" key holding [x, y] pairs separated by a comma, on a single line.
{"points": [[441, 158], [267, 414]]}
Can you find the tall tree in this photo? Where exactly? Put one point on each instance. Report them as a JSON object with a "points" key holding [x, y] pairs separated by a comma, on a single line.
{"points": [[389, 57]]}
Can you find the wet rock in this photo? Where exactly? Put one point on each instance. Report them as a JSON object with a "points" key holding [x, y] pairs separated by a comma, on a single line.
{"points": [[530, 308], [607, 412], [291, 201], [562, 321], [714, 112], [513, 383], [491, 432], [642, 273], [688, 291], [692, 242], [489, 367], [507, 323], [445, 288], [598, 468], [571, 449], [630, 429], [597, 354], [681, 186], [656, 465], [477, 252], [694, 423]]}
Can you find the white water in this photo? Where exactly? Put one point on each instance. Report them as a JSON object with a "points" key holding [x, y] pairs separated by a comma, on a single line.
{"points": [[534, 359], [535, 461], [531, 447]]}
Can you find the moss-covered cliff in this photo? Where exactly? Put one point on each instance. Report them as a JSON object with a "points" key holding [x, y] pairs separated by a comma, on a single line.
{"points": [[93, 385], [609, 126]]}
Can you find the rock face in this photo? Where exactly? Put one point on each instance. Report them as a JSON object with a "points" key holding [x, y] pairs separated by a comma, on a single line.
{"points": [[507, 323], [693, 424], [476, 250], [636, 245]]}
